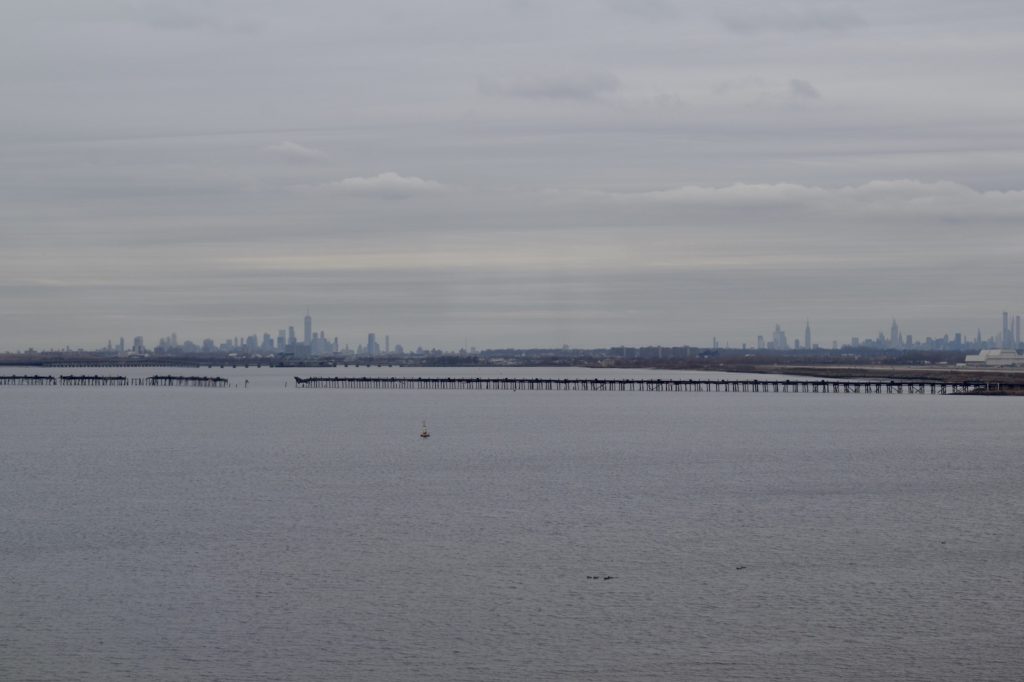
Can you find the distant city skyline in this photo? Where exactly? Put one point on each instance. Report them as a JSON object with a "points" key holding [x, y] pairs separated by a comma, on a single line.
{"points": [[315, 341]]}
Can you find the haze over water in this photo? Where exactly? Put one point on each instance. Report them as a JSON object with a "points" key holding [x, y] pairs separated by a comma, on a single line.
{"points": [[273, 533]]}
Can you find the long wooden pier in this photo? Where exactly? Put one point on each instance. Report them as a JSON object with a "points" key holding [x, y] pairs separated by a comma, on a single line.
{"points": [[107, 380], [96, 380], [831, 386], [27, 380], [195, 382]]}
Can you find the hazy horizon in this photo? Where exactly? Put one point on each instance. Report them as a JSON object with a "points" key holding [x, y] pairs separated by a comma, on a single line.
{"points": [[509, 172]]}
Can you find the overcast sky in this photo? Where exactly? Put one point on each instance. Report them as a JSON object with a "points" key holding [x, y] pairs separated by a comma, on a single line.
{"points": [[511, 172]]}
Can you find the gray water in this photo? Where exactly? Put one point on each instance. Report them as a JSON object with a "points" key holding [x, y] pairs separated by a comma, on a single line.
{"points": [[273, 533]]}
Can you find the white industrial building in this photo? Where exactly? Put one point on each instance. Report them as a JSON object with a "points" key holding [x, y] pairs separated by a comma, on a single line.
{"points": [[996, 357]]}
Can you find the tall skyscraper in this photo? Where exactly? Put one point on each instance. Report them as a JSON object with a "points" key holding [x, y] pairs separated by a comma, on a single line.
{"points": [[387, 343], [779, 341], [307, 336], [1006, 330], [371, 344], [894, 334], [807, 335]]}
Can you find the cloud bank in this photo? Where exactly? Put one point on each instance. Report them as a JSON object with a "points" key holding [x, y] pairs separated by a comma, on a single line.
{"points": [[389, 185], [293, 151], [909, 198]]}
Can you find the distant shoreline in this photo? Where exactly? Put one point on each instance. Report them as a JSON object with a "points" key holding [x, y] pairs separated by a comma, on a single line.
{"points": [[898, 373], [935, 372]]}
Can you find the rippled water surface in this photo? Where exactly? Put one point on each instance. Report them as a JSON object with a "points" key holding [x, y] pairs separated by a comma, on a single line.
{"points": [[270, 533]]}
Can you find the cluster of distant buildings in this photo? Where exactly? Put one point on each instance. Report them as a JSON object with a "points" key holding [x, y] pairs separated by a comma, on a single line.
{"points": [[780, 342], [313, 344], [1009, 338], [1005, 354]]}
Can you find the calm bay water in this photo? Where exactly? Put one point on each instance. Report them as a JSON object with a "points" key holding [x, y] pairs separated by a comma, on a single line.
{"points": [[272, 533]]}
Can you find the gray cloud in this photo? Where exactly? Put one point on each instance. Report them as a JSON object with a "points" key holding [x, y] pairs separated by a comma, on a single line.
{"points": [[168, 15], [755, 90], [788, 18], [581, 86], [651, 10], [803, 89]]}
